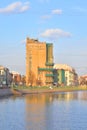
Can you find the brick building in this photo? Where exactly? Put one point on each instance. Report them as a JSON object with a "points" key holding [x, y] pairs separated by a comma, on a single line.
{"points": [[39, 63]]}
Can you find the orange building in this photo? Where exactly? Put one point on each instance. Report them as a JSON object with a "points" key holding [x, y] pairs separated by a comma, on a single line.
{"points": [[39, 63]]}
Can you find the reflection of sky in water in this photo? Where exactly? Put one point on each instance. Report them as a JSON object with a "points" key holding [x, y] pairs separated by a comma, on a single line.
{"points": [[62, 111], [54, 111]]}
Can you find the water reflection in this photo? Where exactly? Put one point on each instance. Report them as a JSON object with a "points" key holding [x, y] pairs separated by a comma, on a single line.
{"points": [[36, 111], [54, 111], [44, 98], [42, 109]]}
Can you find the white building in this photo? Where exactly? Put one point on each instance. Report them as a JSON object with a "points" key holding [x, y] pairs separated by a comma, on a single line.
{"points": [[70, 74], [5, 76]]}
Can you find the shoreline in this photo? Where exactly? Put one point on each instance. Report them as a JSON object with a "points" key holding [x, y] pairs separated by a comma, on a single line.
{"points": [[11, 91], [39, 91], [6, 92]]}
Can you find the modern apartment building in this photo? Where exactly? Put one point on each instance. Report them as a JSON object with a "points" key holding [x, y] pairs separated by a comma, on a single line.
{"points": [[61, 77], [39, 63], [66, 75]]}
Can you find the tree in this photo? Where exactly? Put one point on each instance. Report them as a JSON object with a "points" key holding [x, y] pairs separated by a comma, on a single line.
{"points": [[31, 79], [38, 82], [23, 79]]}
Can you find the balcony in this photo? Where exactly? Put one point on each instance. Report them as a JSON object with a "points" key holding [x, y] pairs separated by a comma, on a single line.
{"points": [[49, 64], [49, 81], [45, 69], [49, 75]]}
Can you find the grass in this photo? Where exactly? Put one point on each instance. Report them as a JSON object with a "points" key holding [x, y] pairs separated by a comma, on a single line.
{"points": [[65, 88]]}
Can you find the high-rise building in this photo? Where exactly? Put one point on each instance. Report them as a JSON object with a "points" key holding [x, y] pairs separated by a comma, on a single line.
{"points": [[39, 63]]}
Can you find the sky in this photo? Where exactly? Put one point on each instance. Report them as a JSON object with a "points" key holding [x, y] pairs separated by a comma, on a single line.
{"points": [[61, 22]]}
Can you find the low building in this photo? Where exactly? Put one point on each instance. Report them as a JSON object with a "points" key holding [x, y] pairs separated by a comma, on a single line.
{"points": [[83, 80], [66, 75], [69, 75], [5, 77], [16, 78], [59, 77]]}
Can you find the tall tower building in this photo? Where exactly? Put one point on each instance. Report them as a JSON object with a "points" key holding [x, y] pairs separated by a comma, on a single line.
{"points": [[39, 63]]}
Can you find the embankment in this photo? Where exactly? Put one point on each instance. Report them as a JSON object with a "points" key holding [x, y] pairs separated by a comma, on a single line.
{"points": [[9, 91], [5, 92]]}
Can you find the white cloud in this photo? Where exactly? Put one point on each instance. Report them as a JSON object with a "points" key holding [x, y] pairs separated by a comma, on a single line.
{"points": [[55, 34], [43, 1], [80, 9], [16, 7], [57, 11], [53, 12], [46, 17]]}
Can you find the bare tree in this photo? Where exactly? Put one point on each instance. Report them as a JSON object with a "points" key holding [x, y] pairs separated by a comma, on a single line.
{"points": [[39, 82], [23, 79], [31, 79]]}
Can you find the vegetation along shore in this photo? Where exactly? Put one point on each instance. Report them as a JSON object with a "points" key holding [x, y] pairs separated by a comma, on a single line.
{"points": [[20, 90]]}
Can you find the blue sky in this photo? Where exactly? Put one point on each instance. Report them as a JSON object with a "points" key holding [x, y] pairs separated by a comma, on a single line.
{"points": [[63, 23]]}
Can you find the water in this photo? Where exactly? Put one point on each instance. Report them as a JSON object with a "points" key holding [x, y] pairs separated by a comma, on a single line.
{"points": [[57, 111]]}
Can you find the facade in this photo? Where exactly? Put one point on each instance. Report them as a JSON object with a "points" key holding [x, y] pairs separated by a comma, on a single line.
{"points": [[69, 77], [39, 63], [5, 77], [66, 75], [16, 78], [61, 77], [83, 80]]}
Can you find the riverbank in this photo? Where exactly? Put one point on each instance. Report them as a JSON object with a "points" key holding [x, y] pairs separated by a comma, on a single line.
{"points": [[36, 90], [20, 91], [6, 92]]}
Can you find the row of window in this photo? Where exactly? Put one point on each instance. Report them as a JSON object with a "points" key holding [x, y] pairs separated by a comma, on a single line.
{"points": [[2, 72]]}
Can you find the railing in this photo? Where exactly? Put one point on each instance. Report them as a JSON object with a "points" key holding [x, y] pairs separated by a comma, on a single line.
{"points": [[49, 75], [49, 81], [45, 69], [49, 64]]}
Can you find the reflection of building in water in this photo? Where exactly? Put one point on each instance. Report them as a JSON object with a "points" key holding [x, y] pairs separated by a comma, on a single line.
{"points": [[82, 95], [69, 96], [36, 110], [65, 96], [40, 108]]}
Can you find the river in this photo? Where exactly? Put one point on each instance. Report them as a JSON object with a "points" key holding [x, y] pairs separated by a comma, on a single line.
{"points": [[55, 111]]}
